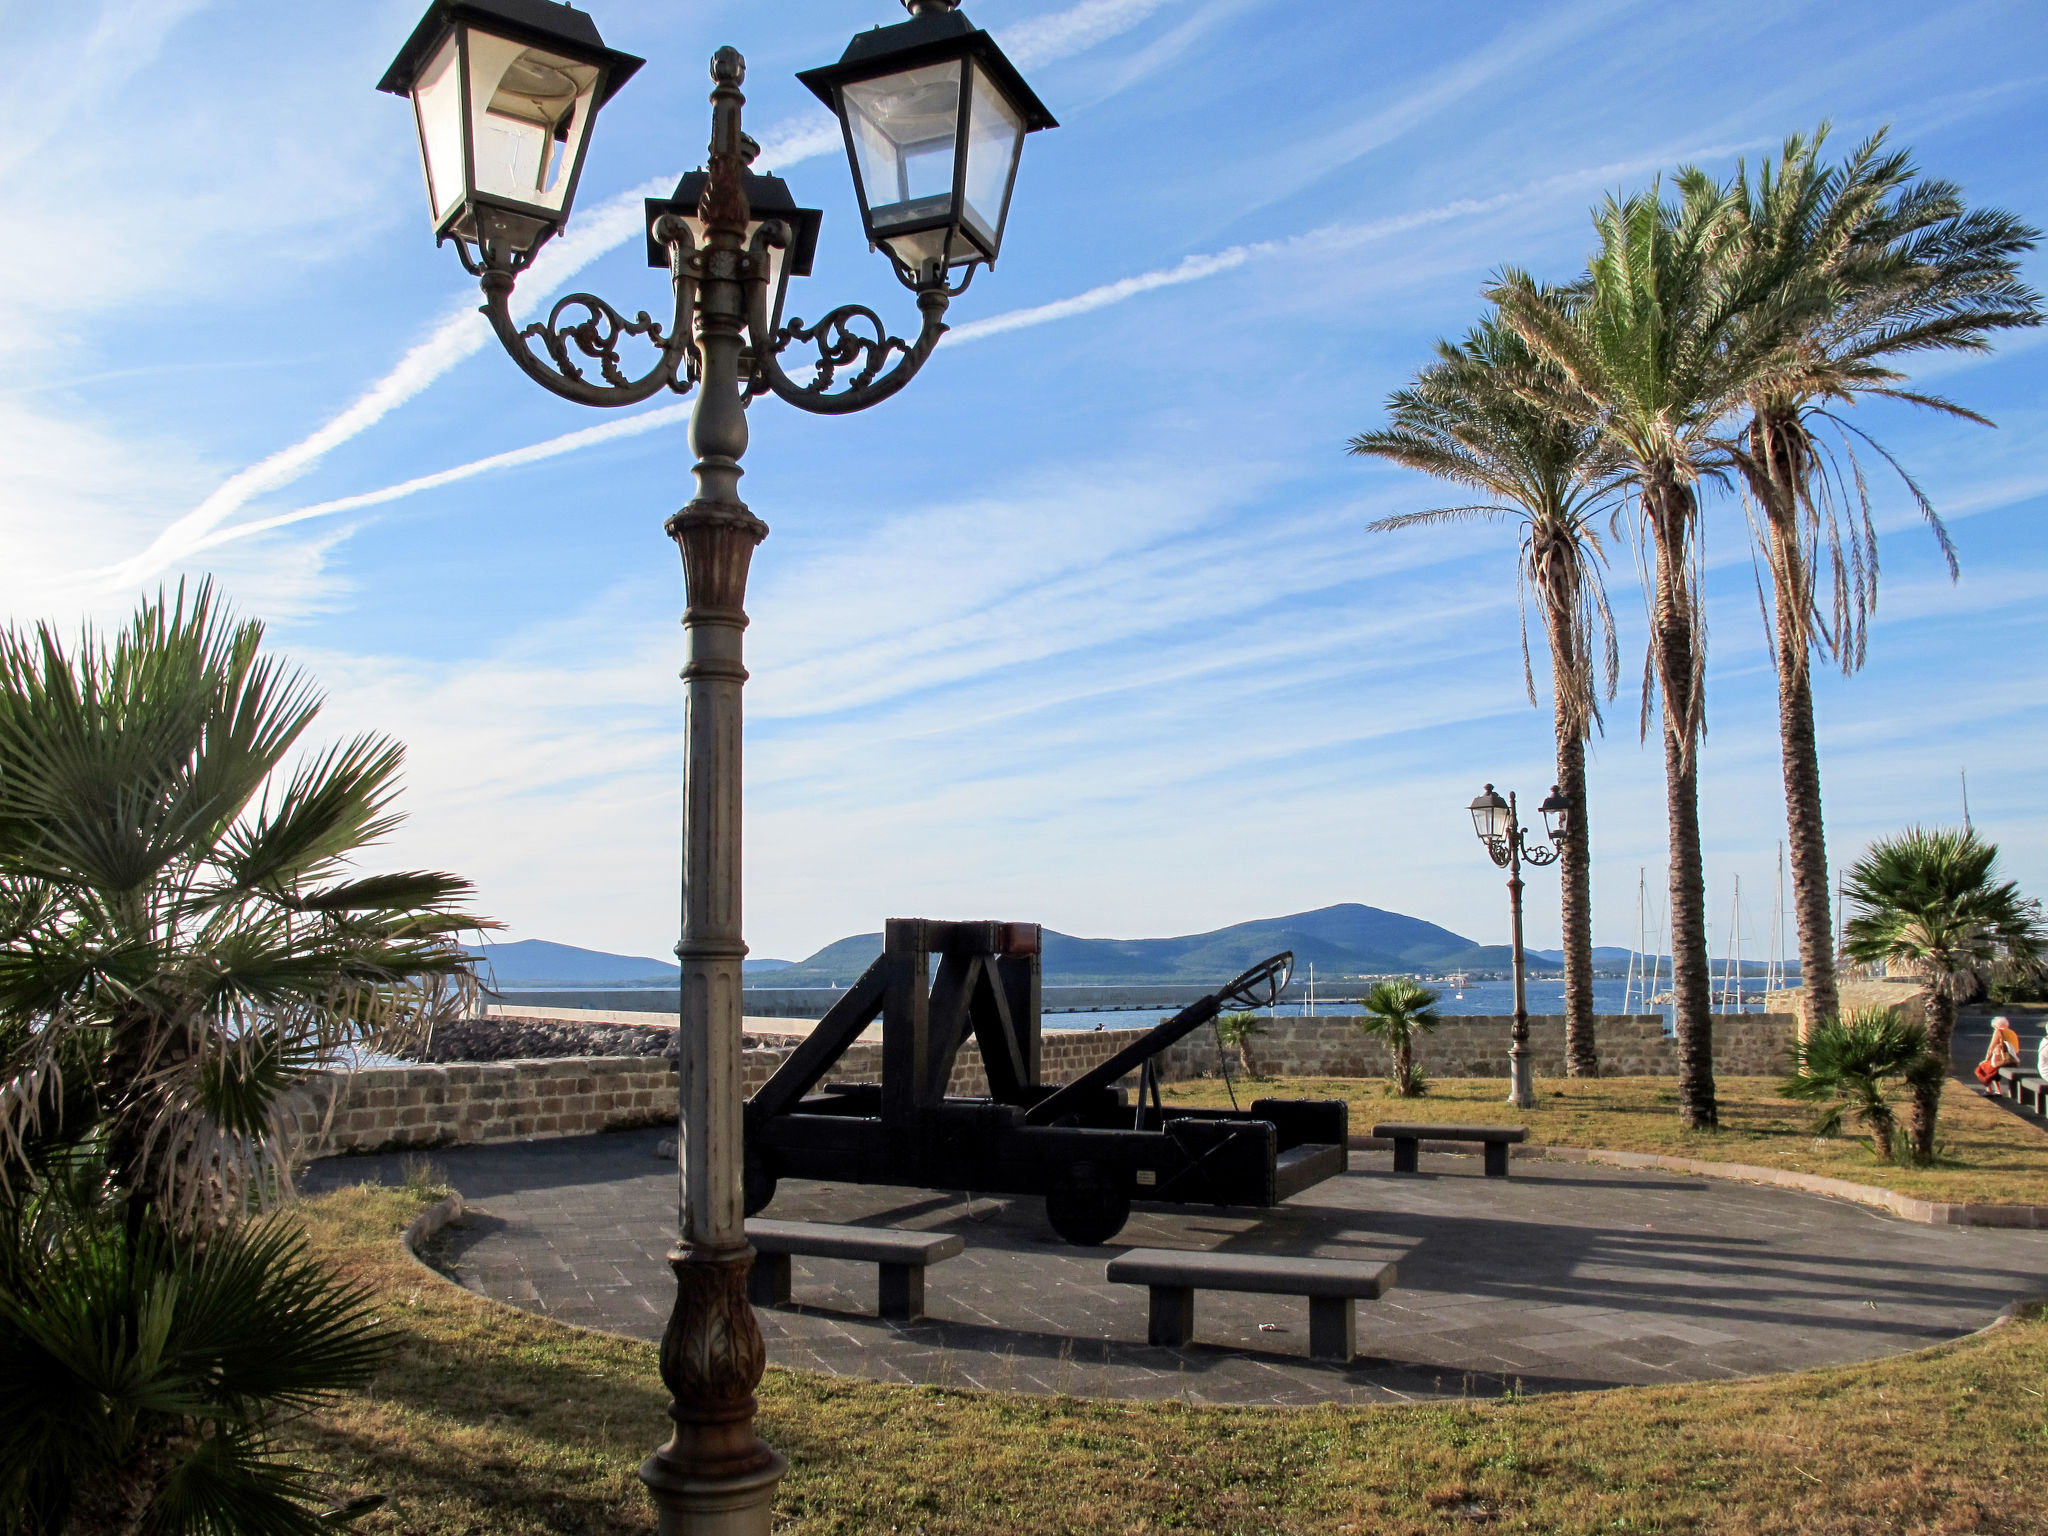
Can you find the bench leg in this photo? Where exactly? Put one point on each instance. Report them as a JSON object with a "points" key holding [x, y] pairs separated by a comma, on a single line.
{"points": [[1407, 1154], [1332, 1328], [902, 1292], [1173, 1316], [1496, 1159], [768, 1280]]}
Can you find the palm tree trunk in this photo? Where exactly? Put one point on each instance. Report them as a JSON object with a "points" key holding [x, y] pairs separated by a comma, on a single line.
{"points": [[1671, 514], [1773, 467], [1941, 1024], [1404, 1065], [1807, 843], [1575, 895]]}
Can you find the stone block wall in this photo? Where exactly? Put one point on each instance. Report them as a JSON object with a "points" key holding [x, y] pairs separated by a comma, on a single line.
{"points": [[1476, 1045], [458, 1103], [380, 1108]]}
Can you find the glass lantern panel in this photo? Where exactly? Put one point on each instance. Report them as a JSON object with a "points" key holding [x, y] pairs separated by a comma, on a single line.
{"points": [[437, 104], [905, 130], [531, 109], [995, 134]]}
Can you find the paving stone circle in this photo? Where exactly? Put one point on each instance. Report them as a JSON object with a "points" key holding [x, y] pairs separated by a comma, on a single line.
{"points": [[1562, 1277]]}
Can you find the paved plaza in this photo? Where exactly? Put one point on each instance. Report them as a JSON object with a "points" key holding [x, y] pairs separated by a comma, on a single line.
{"points": [[1564, 1276]]}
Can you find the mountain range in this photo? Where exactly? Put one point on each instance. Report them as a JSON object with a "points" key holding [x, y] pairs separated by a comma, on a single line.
{"points": [[1349, 939]]}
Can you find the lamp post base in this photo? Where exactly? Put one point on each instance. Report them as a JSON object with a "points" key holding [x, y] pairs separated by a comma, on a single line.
{"points": [[1521, 1078], [713, 1506]]}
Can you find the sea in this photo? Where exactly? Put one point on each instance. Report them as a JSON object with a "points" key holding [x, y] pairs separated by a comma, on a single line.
{"points": [[1546, 996]]}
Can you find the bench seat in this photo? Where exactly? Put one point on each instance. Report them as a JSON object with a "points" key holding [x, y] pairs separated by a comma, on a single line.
{"points": [[1408, 1136], [1332, 1286], [902, 1257], [2027, 1090]]}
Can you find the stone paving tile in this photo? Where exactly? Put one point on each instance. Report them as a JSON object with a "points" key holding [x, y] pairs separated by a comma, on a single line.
{"points": [[1564, 1276]]}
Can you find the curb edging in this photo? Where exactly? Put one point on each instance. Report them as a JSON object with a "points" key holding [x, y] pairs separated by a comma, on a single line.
{"points": [[1934, 1213]]}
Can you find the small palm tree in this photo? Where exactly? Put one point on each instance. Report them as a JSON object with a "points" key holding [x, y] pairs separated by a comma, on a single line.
{"points": [[1397, 1011], [183, 936], [1846, 1066], [1237, 1031], [1930, 902], [179, 915], [1471, 418]]}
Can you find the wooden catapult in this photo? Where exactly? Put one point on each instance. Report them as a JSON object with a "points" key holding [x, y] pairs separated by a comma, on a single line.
{"points": [[1083, 1145]]}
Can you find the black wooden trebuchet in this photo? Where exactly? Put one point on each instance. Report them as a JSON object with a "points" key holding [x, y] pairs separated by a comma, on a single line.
{"points": [[1082, 1145]]}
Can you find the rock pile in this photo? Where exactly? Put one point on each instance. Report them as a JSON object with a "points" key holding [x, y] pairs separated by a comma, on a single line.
{"points": [[521, 1039]]}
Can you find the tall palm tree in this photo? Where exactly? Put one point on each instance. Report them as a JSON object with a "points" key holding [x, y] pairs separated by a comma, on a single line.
{"points": [[1907, 269], [1931, 902], [1665, 336], [1470, 418]]}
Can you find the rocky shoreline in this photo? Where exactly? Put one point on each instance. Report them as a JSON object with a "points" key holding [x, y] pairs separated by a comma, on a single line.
{"points": [[518, 1039]]}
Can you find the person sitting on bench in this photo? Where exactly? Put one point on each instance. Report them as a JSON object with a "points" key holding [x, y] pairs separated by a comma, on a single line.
{"points": [[2004, 1051]]}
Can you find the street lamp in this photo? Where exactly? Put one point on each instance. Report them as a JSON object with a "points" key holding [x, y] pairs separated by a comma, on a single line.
{"points": [[1498, 825], [505, 93]]}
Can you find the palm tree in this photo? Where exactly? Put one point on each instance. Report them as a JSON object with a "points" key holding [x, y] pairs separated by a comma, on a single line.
{"points": [[1468, 418], [179, 917], [1906, 269], [1236, 1031], [1397, 1011], [183, 936], [1930, 902], [1847, 1066], [1664, 337]]}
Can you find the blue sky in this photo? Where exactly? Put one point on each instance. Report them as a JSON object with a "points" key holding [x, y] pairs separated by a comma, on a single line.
{"points": [[1084, 627]]}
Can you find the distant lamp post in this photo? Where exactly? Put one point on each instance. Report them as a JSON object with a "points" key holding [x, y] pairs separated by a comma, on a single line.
{"points": [[1498, 825], [505, 93]]}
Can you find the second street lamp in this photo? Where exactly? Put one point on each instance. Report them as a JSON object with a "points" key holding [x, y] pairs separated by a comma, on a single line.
{"points": [[505, 92], [1498, 826]]}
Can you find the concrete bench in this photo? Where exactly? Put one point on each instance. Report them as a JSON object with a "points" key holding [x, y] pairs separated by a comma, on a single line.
{"points": [[1332, 1286], [2028, 1091], [902, 1257], [1408, 1138]]}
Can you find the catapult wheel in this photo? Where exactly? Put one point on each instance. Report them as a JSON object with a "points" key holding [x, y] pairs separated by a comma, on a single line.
{"points": [[1087, 1218]]}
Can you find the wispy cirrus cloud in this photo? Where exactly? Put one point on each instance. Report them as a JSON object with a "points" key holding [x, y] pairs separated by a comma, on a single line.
{"points": [[462, 333]]}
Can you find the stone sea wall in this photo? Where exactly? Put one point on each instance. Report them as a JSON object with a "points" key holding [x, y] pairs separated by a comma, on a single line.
{"points": [[1476, 1045], [449, 1103]]}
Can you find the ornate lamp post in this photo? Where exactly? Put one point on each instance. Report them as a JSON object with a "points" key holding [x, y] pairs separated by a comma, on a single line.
{"points": [[1507, 843], [505, 93]]}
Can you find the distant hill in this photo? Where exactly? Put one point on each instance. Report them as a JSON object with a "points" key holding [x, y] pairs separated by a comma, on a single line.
{"points": [[540, 963], [1345, 940]]}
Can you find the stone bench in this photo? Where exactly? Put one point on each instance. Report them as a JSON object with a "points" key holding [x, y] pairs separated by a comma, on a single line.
{"points": [[902, 1257], [1408, 1138], [1332, 1286]]}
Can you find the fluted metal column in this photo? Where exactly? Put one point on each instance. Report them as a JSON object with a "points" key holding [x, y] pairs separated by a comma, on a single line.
{"points": [[1521, 1076], [715, 1477]]}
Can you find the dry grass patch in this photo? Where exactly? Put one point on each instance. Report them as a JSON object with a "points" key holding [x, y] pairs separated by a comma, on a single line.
{"points": [[1987, 1154], [494, 1421]]}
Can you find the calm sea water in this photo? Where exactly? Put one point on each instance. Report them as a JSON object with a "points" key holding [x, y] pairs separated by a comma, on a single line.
{"points": [[1546, 995]]}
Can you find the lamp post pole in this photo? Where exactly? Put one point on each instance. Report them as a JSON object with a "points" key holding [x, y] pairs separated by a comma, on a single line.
{"points": [[1521, 1079], [1498, 824], [714, 1475]]}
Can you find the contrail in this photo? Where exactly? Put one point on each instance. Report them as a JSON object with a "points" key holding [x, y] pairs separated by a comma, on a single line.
{"points": [[612, 224], [1333, 237]]}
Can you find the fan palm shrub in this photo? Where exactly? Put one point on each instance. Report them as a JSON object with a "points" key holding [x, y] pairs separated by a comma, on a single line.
{"points": [[1664, 337], [183, 937], [1237, 1031], [1905, 269], [1480, 417], [1397, 1011], [1931, 902], [1848, 1065]]}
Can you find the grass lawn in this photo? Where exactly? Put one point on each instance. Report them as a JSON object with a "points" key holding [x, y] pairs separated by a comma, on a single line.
{"points": [[494, 1421], [1986, 1154]]}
